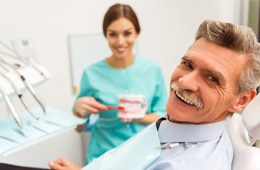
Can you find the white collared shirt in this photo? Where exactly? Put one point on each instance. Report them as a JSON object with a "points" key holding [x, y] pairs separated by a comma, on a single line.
{"points": [[203, 147]]}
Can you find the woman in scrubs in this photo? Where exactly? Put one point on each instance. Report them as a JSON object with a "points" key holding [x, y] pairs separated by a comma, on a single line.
{"points": [[120, 73]]}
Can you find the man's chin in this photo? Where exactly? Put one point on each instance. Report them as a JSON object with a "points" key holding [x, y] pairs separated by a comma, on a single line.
{"points": [[176, 119]]}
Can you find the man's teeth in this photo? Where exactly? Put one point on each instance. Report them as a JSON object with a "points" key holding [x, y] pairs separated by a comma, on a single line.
{"points": [[184, 99]]}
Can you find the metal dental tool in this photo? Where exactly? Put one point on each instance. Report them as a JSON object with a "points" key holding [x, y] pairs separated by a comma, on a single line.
{"points": [[14, 67], [31, 89], [17, 90], [12, 110]]}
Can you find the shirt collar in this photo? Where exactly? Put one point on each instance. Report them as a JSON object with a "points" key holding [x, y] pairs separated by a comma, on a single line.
{"points": [[177, 132]]}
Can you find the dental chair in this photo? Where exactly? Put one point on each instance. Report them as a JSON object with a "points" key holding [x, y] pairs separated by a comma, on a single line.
{"points": [[244, 131]]}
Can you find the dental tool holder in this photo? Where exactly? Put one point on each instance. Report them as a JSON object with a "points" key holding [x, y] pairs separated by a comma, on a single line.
{"points": [[30, 131], [16, 76], [55, 121], [32, 75]]}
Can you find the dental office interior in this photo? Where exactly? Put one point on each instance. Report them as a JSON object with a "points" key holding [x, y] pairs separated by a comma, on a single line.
{"points": [[50, 42]]}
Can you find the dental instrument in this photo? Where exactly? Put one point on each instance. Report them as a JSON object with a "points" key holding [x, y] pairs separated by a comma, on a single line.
{"points": [[14, 67], [13, 112], [16, 89]]}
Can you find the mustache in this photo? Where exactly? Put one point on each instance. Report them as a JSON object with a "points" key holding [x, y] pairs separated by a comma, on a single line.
{"points": [[187, 96]]}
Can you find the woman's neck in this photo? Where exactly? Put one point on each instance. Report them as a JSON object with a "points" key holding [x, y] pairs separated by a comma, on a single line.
{"points": [[120, 63]]}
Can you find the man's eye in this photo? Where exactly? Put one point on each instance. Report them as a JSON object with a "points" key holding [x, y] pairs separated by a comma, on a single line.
{"points": [[187, 65], [213, 79]]}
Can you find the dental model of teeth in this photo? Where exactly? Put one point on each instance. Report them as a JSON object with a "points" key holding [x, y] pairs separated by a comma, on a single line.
{"points": [[134, 106]]}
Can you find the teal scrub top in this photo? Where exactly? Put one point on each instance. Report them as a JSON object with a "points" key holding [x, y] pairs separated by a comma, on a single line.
{"points": [[105, 83]]}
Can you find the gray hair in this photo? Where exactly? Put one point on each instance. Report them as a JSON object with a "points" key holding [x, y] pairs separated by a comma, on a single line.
{"points": [[237, 38]]}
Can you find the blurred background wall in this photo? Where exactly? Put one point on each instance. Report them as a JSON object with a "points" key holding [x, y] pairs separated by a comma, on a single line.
{"points": [[168, 28]]}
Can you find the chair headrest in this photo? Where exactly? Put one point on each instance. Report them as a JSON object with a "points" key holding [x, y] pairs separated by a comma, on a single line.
{"points": [[251, 117]]}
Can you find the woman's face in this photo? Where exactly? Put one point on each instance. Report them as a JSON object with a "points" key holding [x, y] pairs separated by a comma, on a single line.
{"points": [[121, 35]]}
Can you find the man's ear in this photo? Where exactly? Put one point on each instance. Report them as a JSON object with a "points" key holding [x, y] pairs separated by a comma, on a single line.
{"points": [[243, 99]]}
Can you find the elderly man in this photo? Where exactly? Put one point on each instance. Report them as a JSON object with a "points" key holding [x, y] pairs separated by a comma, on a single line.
{"points": [[217, 76]]}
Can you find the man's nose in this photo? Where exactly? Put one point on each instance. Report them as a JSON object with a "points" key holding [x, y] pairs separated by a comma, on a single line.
{"points": [[189, 81]]}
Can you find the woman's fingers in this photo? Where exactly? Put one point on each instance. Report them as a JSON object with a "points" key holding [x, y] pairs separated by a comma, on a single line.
{"points": [[94, 104], [87, 105], [126, 120]]}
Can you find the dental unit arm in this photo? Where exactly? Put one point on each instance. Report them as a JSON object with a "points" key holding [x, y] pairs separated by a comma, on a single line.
{"points": [[8, 76], [27, 62]]}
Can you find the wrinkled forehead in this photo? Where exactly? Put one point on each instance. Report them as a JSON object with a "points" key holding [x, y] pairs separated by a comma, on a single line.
{"points": [[207, 55]]}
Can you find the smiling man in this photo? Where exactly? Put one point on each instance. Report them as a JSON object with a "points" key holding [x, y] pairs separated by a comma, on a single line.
{"points": [[217, 76], [204, 87]]}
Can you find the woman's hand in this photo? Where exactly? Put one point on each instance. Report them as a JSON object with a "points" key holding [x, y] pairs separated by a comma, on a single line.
{"points": [[126, 120], [63, 164], [87, 105]]}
